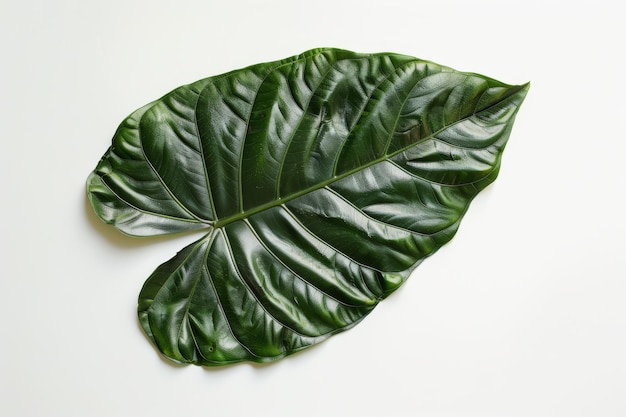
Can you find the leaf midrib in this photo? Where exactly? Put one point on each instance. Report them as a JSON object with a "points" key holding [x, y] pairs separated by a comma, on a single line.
{"points": [[285, 199]]}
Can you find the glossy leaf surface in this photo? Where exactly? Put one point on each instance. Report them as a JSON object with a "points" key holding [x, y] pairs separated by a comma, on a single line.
{"points": [[321, 180]]}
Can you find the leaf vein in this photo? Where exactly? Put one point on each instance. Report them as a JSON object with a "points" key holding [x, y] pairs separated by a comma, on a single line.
{"points": [[245, 138], [204, 164], [144, 211], [300, 277], [335, 178], [251, 292], [158, 175], [293, 134], [188, 305], [295, 218], [222, 309], [368, 217], [362, 112], [429, 181]]}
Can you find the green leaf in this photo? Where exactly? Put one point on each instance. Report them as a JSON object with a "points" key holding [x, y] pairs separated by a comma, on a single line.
{"points": [[321, 180]]}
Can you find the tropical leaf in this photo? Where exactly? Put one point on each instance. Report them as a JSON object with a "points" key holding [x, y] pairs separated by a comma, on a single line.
{"points": [[321, 180]]}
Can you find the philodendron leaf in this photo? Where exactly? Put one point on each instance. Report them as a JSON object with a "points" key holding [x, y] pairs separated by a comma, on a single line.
{"points": [[321, 180]]}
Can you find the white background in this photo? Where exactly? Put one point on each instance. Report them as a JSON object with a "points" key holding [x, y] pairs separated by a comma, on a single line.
{"points": [[522, 314]]}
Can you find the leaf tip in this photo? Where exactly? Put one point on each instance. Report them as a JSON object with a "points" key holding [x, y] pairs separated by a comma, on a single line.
{"points": [[523, 89]]}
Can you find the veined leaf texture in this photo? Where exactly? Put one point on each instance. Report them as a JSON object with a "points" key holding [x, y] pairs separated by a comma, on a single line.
{"points": [[321, 180]]}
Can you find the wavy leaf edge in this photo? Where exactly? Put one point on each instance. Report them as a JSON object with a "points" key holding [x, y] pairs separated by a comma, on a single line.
{"points": [[249, 295]]}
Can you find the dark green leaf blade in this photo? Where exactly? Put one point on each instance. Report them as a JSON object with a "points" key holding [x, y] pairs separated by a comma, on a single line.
{"points": [[225, 299], [323, 180]]}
